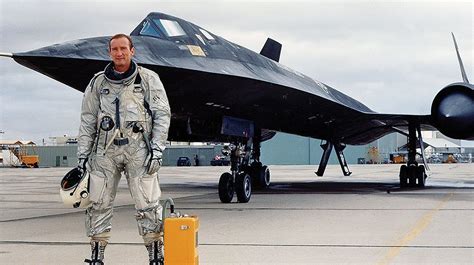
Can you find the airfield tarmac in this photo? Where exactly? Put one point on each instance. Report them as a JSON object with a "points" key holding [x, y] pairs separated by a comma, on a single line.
{"points": [[300, 219]]}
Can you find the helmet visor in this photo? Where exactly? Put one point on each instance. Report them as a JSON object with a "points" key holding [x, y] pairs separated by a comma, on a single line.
{"points": [[71, 179]]}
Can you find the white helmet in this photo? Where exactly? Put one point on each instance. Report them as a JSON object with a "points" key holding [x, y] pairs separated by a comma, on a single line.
{"points": [[74, 189]]}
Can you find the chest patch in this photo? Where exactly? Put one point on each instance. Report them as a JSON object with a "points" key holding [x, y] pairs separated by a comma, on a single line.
{"points": [[104, 91]]}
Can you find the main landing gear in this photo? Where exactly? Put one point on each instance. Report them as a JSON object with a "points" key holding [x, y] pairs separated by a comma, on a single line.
{"points": [[412, 174], [244, 174]]}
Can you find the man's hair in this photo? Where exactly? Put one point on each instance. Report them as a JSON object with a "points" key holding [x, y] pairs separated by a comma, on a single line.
{"points": [[121, 35]]}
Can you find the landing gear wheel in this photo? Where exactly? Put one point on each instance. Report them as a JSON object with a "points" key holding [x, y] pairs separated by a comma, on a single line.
{"points": [[412, 175], [243, 187], [226, 187], [420, 176], [260, 176], [403, 176], [264, 178]]}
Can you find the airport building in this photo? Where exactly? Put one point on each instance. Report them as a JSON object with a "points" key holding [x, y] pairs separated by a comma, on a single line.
{"points": [[287, 149], [282, 149], [64, 154]]}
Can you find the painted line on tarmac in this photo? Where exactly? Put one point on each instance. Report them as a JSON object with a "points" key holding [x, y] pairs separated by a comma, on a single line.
{"points": [[73, 243], [414, 232], [332, 246], [318, 209], [120, 207]]}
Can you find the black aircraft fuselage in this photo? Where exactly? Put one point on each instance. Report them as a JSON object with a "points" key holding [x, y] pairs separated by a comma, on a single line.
{"points": [[207, 78]]}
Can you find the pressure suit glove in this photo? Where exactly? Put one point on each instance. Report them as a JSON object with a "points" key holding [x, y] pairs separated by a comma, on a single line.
{"points": [[153, 161], [81, 164]]}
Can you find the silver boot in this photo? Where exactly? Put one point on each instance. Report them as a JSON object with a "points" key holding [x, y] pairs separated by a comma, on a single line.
{"points": [[97, 257], [155, 252]]}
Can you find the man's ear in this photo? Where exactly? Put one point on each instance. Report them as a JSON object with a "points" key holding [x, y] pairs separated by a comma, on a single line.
{"points": [[133, 50]]}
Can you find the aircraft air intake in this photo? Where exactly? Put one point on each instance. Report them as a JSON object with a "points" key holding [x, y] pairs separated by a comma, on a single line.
{"points": [[452, 111]]}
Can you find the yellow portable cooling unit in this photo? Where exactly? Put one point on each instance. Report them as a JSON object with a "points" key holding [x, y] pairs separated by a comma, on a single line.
{"points": [[180, 238]]}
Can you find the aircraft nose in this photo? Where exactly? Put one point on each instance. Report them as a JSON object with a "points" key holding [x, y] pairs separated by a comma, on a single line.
{"points": [[6, 54], [73, 63], [91, 48]]}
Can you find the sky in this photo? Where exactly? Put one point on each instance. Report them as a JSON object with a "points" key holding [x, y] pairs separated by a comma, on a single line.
{"points": [[392, 56]]}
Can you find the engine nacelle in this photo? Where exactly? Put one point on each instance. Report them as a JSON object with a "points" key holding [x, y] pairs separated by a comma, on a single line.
{"points": [[452, 111]]}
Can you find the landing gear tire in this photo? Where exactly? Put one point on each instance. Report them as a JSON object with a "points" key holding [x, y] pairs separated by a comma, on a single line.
{"points": [[412, 175], [226, 187], [264, 178], [243, 187], [260, 176], [420, 176], [403, 176]]}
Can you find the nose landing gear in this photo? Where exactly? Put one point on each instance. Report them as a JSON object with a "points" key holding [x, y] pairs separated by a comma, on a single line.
{"points": [[244, 175]]}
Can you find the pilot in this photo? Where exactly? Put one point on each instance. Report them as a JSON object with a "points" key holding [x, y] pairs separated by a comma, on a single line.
{"points": [[125, 119]]}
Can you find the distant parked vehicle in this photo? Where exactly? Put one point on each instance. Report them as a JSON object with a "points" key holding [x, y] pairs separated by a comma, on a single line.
{"points": [[220, 161], [183, 161]]}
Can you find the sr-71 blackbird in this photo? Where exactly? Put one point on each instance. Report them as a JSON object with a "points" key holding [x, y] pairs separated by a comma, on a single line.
{"points": [[222, 92]]}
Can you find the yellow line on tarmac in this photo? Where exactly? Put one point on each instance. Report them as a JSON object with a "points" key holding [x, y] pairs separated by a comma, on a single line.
{"points": [[422, 223]]}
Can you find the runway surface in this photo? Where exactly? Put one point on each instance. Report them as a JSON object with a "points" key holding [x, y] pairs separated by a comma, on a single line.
{"points": [[301, 219]]}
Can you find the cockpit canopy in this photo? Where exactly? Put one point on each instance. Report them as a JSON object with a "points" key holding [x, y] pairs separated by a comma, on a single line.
{"points": [[170, 28], [156, 27]]}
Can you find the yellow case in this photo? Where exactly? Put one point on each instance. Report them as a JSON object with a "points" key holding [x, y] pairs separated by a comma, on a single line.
{"points": [[181, 240]]}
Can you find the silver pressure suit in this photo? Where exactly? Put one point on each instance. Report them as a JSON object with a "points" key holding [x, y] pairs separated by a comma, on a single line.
{"points": [[128, 104]]}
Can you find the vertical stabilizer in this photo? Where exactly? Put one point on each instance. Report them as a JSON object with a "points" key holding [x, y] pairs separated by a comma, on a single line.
{"points": [[463, 72], [271, 50]]}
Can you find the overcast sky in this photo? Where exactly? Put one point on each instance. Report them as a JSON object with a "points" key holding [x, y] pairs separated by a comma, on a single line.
{"points": [[392, 56]]}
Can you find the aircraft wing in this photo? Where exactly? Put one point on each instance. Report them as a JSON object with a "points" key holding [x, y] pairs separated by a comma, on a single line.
{"points": [[369, 127]]}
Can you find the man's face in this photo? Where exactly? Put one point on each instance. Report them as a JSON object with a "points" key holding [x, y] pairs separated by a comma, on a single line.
{"points": [[121, 54]]}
